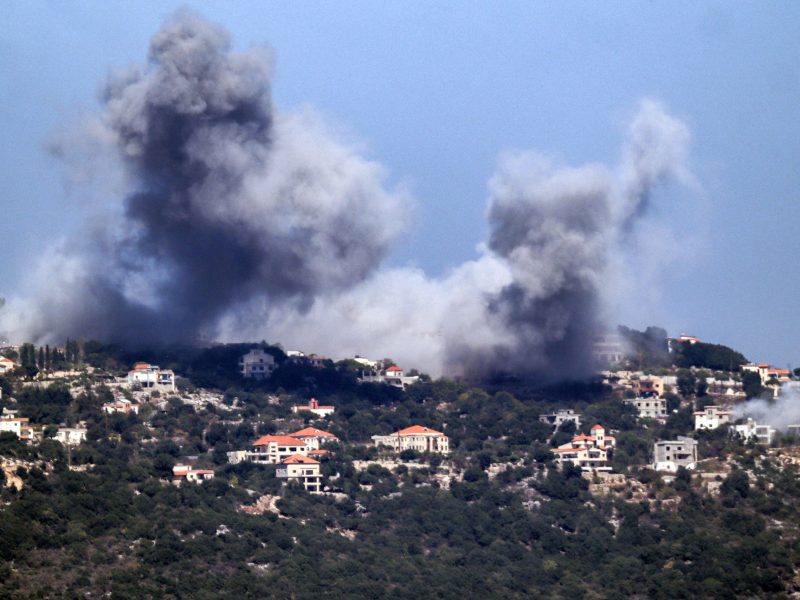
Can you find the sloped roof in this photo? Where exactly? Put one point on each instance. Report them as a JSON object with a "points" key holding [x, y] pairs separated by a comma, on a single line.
{"points": [[282, 440], [311, 432], [299, 459], [417, 430]]}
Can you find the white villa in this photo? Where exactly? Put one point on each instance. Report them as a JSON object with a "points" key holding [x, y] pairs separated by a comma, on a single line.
{"points": [[71, 436], [750, 430], [415, 437], [314, 438], [315, 407], [711, 417], [185, 472], [560, 417], [151, 376], [272, 449], [19, 426]]}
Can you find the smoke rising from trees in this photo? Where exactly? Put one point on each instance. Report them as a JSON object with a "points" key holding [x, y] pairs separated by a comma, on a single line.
{"points": [[243, 222]]}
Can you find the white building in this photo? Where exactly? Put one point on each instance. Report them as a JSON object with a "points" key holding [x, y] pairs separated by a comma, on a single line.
{"points": [[151, 376], [185, 472], [272, 449], [589, 452], [303, 470], [669, 455], [123, 405], [649, 408], [71, 436], [711, 417], [416, 437], [560, 417], [315, 407], [257, 364], [393, 375], [750, 430], [19, 426]]}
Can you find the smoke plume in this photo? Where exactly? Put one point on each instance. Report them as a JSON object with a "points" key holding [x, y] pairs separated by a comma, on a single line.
{"points": [[778, 413], [242, 222]]}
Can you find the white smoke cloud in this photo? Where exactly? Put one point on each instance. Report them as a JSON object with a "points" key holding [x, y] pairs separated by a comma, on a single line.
{"points": [[778, 413]]}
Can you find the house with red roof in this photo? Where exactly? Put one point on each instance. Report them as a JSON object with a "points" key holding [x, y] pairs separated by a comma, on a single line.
{"points": [[589, 452], [416, 437], [272, 449], [6, 365], [303, 470], [313, 437], [315, 407], [186, 473]]}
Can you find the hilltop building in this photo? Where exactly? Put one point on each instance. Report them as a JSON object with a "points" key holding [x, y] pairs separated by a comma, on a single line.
{"points": [[750, 430], [272, 449], [313, 437], [257, 364], [669, 455], [151, 376], [652, 407], [315, 407], [185, 472], [392, 375], [416, 437]]}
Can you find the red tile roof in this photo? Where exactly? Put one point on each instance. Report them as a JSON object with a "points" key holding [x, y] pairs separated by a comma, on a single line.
{"points": [[319, 452], [393, 368], [598, 426], [311, 432], [281, 440], [417, 430], [299, 459]]}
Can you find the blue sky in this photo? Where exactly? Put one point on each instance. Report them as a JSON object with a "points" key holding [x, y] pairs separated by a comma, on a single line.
{"points": [[436, 91]]}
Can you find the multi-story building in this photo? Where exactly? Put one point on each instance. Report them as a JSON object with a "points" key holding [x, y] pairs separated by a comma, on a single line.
{"points": [[589, 452], [19, 426], [649, 408], [392, 375], [151, 376], [750, 430], [648, 385], [257, 364], [416, 437], [303, 470], [711, 417], [272, 449], [560, 417], [315, 407], [669, 455]]}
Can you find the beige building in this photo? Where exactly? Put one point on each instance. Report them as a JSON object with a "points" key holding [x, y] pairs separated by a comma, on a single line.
{"points": [[303, 470], [669, 455], [711, 417], [649, 408], [257, 364], [272, 449], [416, 437], [122, 405], [589, 452], [314, 438]]}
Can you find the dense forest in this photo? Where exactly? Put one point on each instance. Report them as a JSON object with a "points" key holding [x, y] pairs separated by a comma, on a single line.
{"points": [[103, 520]]}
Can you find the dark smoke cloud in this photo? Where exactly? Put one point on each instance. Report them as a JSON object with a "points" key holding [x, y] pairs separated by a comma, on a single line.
{"points": [[229, 200], [241, 222]]}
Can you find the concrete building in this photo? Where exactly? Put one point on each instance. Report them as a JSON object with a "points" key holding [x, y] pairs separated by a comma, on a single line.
{"points": [[272, 449], [123, 405], [649, 408], [315, 407], [560, 417], [669, 455], [648, 385], [303, 470], [151, 377], [71, 436], [257, 364], [609, 349], [19, 426], [393, 375], [750, 430], [711, 417], [416, 437], [589, 452], [6, 365]]}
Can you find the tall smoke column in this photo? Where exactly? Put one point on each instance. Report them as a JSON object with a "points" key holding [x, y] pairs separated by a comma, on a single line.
{"points": [[558, 229], [229, 200]]}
